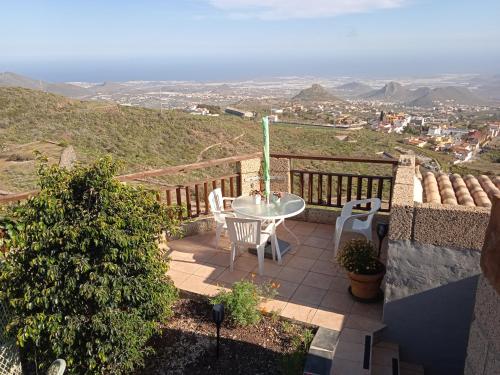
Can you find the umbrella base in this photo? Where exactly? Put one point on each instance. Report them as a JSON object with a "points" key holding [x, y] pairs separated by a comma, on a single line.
{"points": [[284, 246]]}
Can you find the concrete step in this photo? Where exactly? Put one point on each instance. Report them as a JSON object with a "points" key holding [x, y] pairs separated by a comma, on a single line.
{"points": [[411, 369], [385, 358], [353, 354], [349, 353]]}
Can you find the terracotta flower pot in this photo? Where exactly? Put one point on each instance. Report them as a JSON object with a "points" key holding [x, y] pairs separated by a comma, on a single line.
{"points": [[366, 286]]}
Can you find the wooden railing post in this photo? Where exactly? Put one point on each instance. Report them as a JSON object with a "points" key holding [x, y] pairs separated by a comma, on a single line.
{"points": [[205, 197], [197, 196], [339, 190]]}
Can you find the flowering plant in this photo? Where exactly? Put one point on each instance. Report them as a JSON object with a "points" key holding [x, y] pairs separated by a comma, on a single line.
{"points": [[359, 256]]}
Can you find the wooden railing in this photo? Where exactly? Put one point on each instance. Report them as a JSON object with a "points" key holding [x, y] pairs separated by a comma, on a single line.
{"points": [[334, 189], [194, 196], [331, 189]]}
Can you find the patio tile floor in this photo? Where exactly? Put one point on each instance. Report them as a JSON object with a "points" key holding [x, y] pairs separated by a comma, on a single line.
{"points": [[312, 288]]}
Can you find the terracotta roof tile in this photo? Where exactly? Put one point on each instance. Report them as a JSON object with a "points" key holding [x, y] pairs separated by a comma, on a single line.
{"points": [[455, 190]]}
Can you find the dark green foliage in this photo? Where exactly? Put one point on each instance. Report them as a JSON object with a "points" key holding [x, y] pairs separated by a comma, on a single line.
{"points": [[411, 130], [359, 256], [83, 275]]}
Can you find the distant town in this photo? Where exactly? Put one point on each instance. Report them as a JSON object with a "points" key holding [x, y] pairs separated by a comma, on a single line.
{"points": [[457, 115]]}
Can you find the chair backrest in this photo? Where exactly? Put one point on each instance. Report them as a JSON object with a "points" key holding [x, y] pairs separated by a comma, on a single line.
{"points": [[375, 205], [243, 231], [216, 201], [57, 367]]}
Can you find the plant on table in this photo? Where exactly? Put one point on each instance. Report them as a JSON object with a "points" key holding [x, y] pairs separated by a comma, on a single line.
{"points": [[360, 260], [242, 301], [83, 276]]}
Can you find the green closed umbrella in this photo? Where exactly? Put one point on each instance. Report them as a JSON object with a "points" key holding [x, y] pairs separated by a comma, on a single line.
{"points": [[265, 167]]}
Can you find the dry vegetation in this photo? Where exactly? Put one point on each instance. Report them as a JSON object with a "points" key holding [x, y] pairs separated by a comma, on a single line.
{"points": [[143, 138]]}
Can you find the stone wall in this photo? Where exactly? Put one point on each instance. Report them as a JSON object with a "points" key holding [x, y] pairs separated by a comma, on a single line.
{"points": [[402, 203], [280, 175], [437, 224], [446, 225], [483, 351], [429, 300], [432, 273], [10, 362], [250, 171]]}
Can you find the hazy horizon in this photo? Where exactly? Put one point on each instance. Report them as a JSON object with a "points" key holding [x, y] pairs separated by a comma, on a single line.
{"points": [[119, 71]]}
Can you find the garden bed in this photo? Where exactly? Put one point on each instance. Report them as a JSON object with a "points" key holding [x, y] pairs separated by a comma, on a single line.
{"points": [[187, 345]]}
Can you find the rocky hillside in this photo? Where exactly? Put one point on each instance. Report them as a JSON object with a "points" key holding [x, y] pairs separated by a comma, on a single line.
{"points": [[316, 93], [353, 89], [394, 92], [451, 95], [141, 138], [8, 79]]}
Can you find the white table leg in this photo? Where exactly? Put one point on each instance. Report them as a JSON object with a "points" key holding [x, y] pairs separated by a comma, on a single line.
{"points": [[291, 251], [275, 243]]}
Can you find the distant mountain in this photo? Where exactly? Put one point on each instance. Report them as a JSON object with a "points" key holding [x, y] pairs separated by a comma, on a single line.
{"points": [[316, 93], [8, 79], [449, 94], [488, 87], [353, 89], [394, 92]]}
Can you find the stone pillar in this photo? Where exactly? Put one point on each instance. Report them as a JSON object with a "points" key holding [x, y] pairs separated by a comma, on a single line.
{"points": [[249, 170], [483, 350], [280, 170], [401, 220]]}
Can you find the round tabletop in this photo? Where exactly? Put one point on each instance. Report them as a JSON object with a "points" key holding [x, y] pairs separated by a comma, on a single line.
{"points": [[289, 205]]}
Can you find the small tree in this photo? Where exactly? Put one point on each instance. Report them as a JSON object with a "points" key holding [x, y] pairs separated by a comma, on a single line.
{"points": [[83, 275]]}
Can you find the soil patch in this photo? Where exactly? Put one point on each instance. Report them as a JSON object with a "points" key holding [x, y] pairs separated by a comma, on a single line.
{"points": [[187, 345]]}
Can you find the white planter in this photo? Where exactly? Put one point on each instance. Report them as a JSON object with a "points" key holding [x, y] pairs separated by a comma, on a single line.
{"points": [[256, 199]]}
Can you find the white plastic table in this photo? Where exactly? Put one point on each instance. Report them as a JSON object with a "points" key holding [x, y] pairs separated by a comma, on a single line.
{"points": [[288, 206]]}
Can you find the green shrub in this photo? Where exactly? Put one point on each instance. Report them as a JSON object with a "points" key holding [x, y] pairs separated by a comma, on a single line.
{"points": [[242, 301], [359, 256], [83, 275]]}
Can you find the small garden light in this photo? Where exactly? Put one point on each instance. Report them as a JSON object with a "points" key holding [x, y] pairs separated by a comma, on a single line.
{"points": [[382, 230], [218, 317]]}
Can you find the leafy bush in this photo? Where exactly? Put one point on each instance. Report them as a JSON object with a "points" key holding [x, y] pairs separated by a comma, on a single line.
{"points": [[83, 275], [359, 256], [242, 301], [300, 340]]}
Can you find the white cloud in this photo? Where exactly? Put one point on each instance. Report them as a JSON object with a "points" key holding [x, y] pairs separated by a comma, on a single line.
{"points": [[285, 9]]}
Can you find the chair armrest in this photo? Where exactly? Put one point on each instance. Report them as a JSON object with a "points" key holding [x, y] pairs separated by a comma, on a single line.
{"points": [[361, 215], [341, 220]]}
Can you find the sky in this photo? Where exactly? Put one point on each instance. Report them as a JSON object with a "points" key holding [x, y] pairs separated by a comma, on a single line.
{"points": [[105, 40]]}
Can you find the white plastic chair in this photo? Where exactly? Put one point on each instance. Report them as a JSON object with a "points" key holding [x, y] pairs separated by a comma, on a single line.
{"points": [[349, 222], [57, 367], [216, 201], [247, 233]]}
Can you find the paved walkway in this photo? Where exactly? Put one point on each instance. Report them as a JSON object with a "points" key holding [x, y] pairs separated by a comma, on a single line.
{"points": [[312, 288]]}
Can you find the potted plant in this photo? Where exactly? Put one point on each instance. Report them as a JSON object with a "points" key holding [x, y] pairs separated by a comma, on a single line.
{"points": [[365, 270]]}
